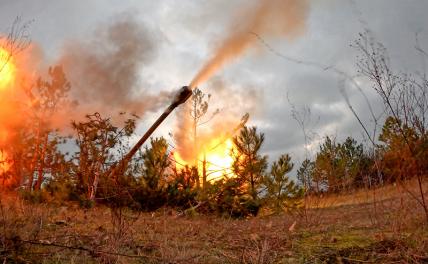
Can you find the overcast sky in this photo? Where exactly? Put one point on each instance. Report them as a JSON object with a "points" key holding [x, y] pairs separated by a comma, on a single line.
{"points": [[185, 33]]}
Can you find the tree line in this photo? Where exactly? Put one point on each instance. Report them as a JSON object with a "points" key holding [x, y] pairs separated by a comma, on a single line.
{"points": [[43, 171]]}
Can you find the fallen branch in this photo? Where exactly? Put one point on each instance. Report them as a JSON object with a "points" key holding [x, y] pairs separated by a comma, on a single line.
{"points": [[81, 248]]}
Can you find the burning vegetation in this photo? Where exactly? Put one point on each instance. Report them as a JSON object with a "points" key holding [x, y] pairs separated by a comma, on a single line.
{"points": [[9, 110], [7, 68]]}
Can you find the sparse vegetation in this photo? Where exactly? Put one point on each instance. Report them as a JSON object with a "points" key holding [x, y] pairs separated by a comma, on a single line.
{"points": [[343, 233]]}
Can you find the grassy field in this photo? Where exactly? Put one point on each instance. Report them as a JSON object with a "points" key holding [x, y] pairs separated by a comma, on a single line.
{"points": [[382, 226]]}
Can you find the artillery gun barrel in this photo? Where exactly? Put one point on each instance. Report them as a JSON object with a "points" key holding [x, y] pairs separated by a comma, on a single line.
{"points": [[181, 97]]}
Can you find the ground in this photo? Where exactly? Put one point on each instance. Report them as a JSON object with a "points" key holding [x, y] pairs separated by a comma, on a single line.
{"points": [[381, 226]]}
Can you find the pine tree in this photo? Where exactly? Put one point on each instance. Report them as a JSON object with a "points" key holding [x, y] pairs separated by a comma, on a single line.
{"points": [[155, 163], [282, 191], [249, 165], [152, 171]]}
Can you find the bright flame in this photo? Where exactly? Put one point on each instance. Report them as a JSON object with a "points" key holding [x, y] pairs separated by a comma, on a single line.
{"points": [[4, 162], [7, 69], [218, 159], [3, 136], [7, 76], [5, 165], [18, 71]]}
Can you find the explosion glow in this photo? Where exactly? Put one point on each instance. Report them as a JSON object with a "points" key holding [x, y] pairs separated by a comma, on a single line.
{"points": [[4, 164], [7, 111], [7, 69], [218, 159], [272, 19], [4, 159]]}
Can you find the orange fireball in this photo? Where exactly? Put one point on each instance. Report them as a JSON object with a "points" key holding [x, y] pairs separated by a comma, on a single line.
{"points": [[7, 69], [217, 155]]}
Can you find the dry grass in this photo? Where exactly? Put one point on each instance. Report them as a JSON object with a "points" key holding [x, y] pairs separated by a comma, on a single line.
{"points": [[345, 232], [361, 196]]}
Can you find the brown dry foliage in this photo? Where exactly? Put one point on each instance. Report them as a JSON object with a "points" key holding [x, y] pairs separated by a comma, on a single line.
{"points": [[343, 229]]}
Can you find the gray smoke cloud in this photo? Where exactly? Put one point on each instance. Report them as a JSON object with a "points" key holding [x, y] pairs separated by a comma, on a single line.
{"points": [[105, 68]]}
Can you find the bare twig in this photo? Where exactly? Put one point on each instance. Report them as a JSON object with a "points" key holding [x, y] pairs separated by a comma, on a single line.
{"points": [[15, 41]]}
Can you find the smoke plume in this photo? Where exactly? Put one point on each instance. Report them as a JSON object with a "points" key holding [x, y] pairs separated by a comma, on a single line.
{"points": [[272, 18], [105, 69]]}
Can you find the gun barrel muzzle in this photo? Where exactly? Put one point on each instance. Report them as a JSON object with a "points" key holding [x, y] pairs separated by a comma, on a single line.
{"points": [[182, 95]]}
